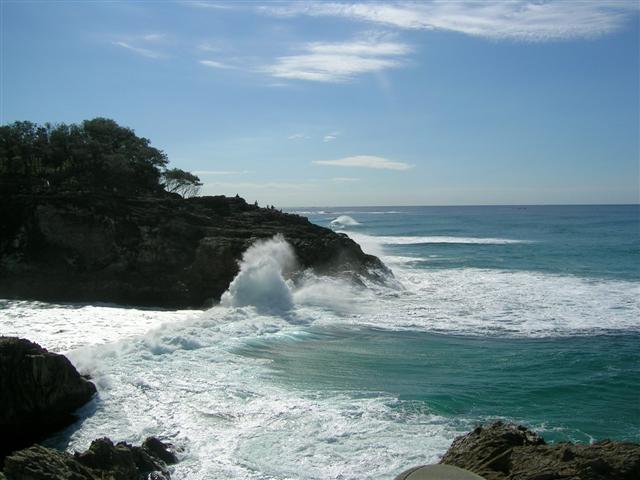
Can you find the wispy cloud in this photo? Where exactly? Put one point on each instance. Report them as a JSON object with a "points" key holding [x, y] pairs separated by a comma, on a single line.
{"points": [[330, 137], [261, 185], [212, 5], [345, 179], [339, 62], [145, 52], [499, 19], [298, 136], [209, 47], [215, 64], [366, 161], [222, 172], [154, 37]]}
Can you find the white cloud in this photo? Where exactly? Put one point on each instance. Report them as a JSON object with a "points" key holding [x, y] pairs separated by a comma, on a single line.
{"points": [[499, 19], [339, 62], [222, 172], [154, 37], [209, 47], [298, 136], [366, 161], [330, 137], [213, 5], [260, 185], [345, 179], [214, 64], [145, 52]]}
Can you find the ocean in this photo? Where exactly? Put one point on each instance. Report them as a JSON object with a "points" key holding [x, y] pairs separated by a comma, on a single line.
{"points": [[528, 314]]}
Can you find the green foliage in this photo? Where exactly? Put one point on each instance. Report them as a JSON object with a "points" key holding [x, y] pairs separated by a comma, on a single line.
{"points": [[96, 155], [184, 183]]}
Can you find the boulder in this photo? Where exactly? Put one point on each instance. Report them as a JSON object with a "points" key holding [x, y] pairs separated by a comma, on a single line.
{"points": [[152, 251], [103, 460], [503, 451], [39, 391]]}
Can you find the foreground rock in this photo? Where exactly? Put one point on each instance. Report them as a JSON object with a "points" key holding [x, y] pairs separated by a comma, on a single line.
{"points": [[103, 460], [502, 451], [159, 251], [39, 391]]}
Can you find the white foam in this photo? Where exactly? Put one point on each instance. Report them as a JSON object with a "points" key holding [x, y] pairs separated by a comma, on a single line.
{"points": [[405, 240], [184, 383], [507, 303], [260, 282], [344, 220], [65, 327]]}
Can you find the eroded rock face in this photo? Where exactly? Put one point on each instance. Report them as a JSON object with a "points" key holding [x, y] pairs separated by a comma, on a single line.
{"points": [[39, 391], [158, 251], [501, 451], [103, 460]]}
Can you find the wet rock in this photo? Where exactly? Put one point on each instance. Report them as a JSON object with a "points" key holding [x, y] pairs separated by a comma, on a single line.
{"points": [[103, 460], [502, 451], [39, 391], [160, 450], [159, 251]]}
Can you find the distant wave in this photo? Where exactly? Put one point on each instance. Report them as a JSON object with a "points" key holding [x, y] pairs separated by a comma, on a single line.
{"points": [[345, 212], [389, 240], [345, 220], [372, 243]]}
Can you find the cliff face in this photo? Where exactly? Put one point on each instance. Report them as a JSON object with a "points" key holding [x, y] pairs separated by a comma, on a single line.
{"points": [[166, 252]]}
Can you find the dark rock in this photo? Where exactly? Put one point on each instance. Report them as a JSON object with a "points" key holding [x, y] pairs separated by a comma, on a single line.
{"points": [[160, 450], [158, 251], [41, 463], [501, 451], [39, 391], [103, 460]]}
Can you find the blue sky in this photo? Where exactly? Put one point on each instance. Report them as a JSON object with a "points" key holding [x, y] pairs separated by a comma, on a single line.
{"points": [[325, 104]]}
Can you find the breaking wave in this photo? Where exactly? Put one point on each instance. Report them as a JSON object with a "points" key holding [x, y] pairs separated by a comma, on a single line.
{"points": [[260, 282], [345, 220], [407, 240]]}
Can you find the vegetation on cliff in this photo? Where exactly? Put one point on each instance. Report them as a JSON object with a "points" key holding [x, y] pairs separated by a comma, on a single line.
{"points": [[94, 156]]}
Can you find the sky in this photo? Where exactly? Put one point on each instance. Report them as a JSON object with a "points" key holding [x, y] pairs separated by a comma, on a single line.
{"points": [[349, 103]]}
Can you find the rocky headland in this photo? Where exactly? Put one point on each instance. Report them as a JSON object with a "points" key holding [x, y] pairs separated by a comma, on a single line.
{"points": [[159, 250]]}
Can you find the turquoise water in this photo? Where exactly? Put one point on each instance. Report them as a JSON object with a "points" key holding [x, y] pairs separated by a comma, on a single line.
{"points": [[575, 384]]}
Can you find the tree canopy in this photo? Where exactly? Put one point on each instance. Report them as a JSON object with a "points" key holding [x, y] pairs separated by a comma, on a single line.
{"points": [[183, 183], [95, 155]]}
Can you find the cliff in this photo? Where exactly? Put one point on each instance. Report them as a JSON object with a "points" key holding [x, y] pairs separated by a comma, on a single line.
{"points": [[161, 251]]}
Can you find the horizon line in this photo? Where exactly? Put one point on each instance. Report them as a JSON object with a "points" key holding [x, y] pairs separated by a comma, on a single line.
{"points": [[476, 205]]}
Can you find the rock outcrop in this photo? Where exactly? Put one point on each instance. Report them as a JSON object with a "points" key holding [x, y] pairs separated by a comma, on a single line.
{"points": [[103, 460], [156, 251], [502, 451], [39, 391]]}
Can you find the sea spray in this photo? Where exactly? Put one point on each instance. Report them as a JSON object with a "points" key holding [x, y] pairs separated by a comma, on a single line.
{"points": [[260, 282], [345, 220]]}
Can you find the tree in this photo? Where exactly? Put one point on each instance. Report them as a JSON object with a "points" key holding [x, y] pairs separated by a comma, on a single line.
{"points": [[96, 155], [183, 183]]}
